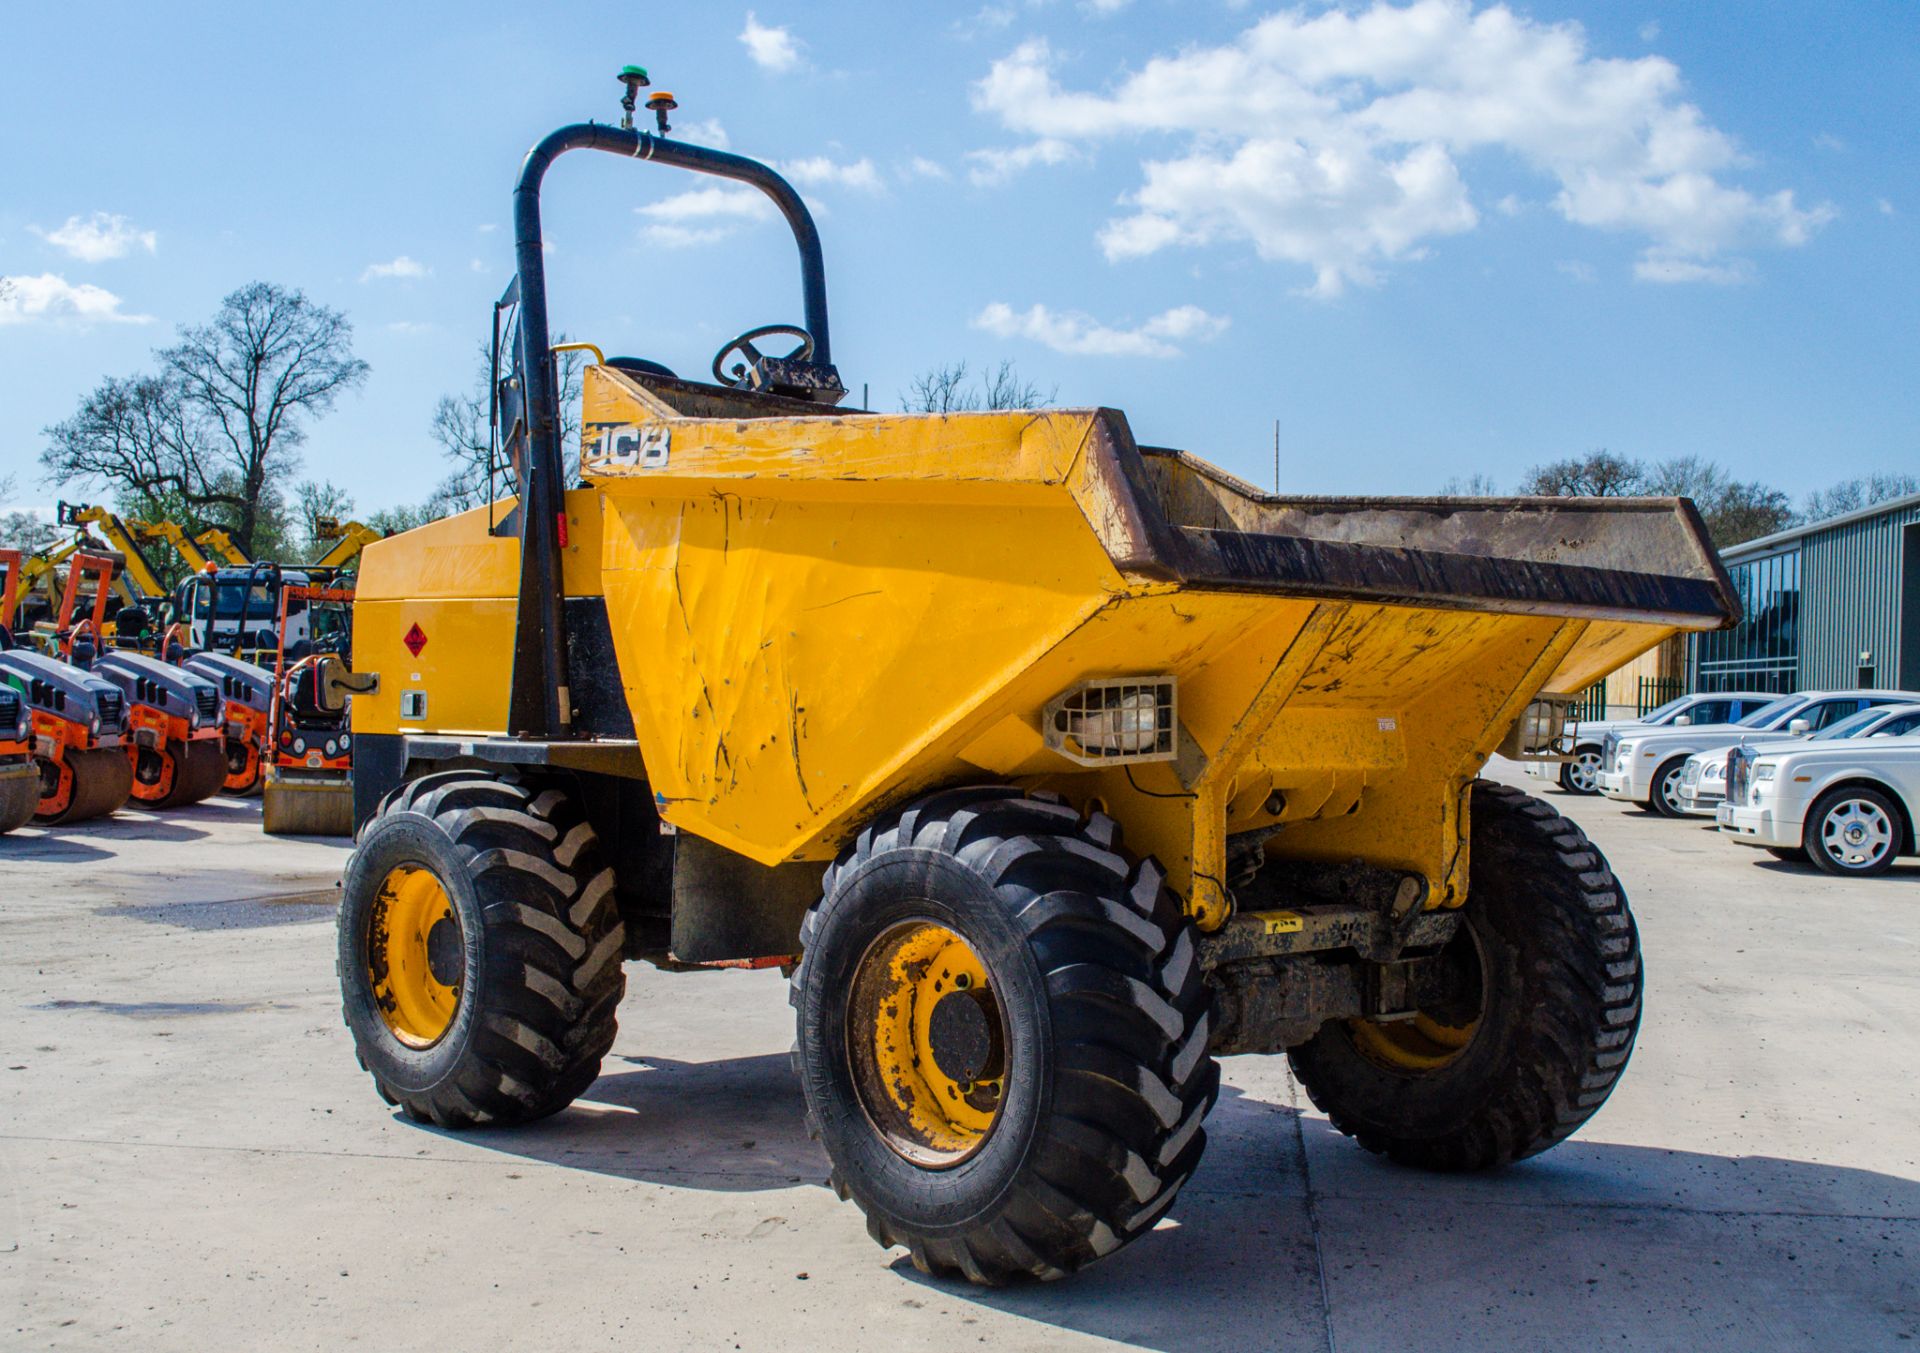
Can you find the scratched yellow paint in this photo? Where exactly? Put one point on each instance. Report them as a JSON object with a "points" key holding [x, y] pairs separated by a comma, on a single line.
{"points": [[817, 617]]}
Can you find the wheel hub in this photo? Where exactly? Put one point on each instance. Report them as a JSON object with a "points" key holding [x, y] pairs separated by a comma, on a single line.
{"points": [[416, 956], [964, 1033], [927, 1041]]}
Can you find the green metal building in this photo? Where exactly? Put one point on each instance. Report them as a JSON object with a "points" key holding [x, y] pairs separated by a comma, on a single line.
{"points": [[1833, 605]]}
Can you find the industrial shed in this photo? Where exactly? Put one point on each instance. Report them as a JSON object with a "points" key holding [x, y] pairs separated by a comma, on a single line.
{"points": [[1834, 604]]}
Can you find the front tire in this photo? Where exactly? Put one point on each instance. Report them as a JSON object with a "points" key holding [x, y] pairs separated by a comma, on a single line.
{"points": [[1854, 833], [1559, 1005], [480, 950], [1062, 1112], [1665, 798]]}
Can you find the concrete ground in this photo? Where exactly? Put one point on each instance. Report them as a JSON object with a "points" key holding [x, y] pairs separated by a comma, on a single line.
{"points": [[189, 1158]]}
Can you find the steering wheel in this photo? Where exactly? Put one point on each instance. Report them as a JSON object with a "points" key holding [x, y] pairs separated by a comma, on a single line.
{"points": [[744, 345]]}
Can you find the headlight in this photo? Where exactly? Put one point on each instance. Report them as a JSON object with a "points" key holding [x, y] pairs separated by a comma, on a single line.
{"points": [[1624, 754], [93, 725], [300, 746], [346, 741], [1714, 770], [1762, 779], [193, 718], [333, 748]]}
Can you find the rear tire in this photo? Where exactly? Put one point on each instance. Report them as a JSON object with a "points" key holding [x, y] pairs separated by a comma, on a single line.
{"points": [[1855, 832], [528, 975], [1102, 1075], [1560, 979]]}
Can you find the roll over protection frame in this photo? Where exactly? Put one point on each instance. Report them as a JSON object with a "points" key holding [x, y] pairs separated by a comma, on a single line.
{"points": [[539, 703]]}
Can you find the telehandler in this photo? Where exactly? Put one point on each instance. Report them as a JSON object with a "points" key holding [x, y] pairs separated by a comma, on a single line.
{"points": [[1051, 767]]}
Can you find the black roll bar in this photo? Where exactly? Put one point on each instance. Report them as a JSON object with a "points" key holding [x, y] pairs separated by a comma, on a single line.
{"points": [[540, 702]]}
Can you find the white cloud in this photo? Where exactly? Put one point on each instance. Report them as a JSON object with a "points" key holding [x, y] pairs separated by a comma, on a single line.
{"points": [[771, 48], [410, 326], [921, 167], [999, 165], [49, 296], [99, 237], [1886, 207], [1578, 270], [818, 171], [707, 132], [1081, 336], [400, 267], [1339, 140], [1649, 30], [1726, 274], [702, 215], [1829, 142], [1104, 7]]}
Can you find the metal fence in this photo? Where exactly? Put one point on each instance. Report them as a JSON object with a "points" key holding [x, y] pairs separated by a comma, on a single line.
{"points": [[1591, 704], [1656, 691]]}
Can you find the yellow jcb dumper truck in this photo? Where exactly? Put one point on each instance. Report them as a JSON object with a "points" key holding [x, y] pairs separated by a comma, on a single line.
{"points": [[1052, 767]]}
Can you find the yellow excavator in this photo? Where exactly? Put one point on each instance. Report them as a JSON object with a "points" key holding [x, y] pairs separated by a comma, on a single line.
{"points": [[348, 539], [214, 541], [125, 537]]}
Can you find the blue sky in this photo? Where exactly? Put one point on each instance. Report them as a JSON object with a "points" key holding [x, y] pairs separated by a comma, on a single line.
{"points": [[1430, 239]]}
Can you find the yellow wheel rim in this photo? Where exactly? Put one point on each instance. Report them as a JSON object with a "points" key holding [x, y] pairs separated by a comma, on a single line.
{"points": [[1418, 1044], [928, 1043], [416, 956]]}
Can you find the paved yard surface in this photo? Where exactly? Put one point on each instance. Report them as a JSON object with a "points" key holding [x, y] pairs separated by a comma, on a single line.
{"points": [[189, 1158]]}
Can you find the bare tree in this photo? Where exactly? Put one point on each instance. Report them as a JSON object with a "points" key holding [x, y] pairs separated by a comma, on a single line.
{"points": [[1734, 510], [460, 425], [940, 390], [1598, 474], [219, 428], [947, 389], [1851, 495], [1475, 485], [21, 530], [1006, 388]]}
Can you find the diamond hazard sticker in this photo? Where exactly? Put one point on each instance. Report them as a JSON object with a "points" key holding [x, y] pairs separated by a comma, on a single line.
{"points": [[415, 640]]}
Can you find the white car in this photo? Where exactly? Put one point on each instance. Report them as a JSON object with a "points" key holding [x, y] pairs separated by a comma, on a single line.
{"points": [[1703, 782], [1582, 774], [1847, 805], [1645, 767]]}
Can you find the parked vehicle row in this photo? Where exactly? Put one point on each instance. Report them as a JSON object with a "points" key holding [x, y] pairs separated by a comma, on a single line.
{"points": [[1831, 778], [1646, 766], [1581, 775]]}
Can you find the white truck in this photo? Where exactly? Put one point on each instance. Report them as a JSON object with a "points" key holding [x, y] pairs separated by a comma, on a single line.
{"points": [[1848, 805], [1581, 775], [1644, 767]]}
